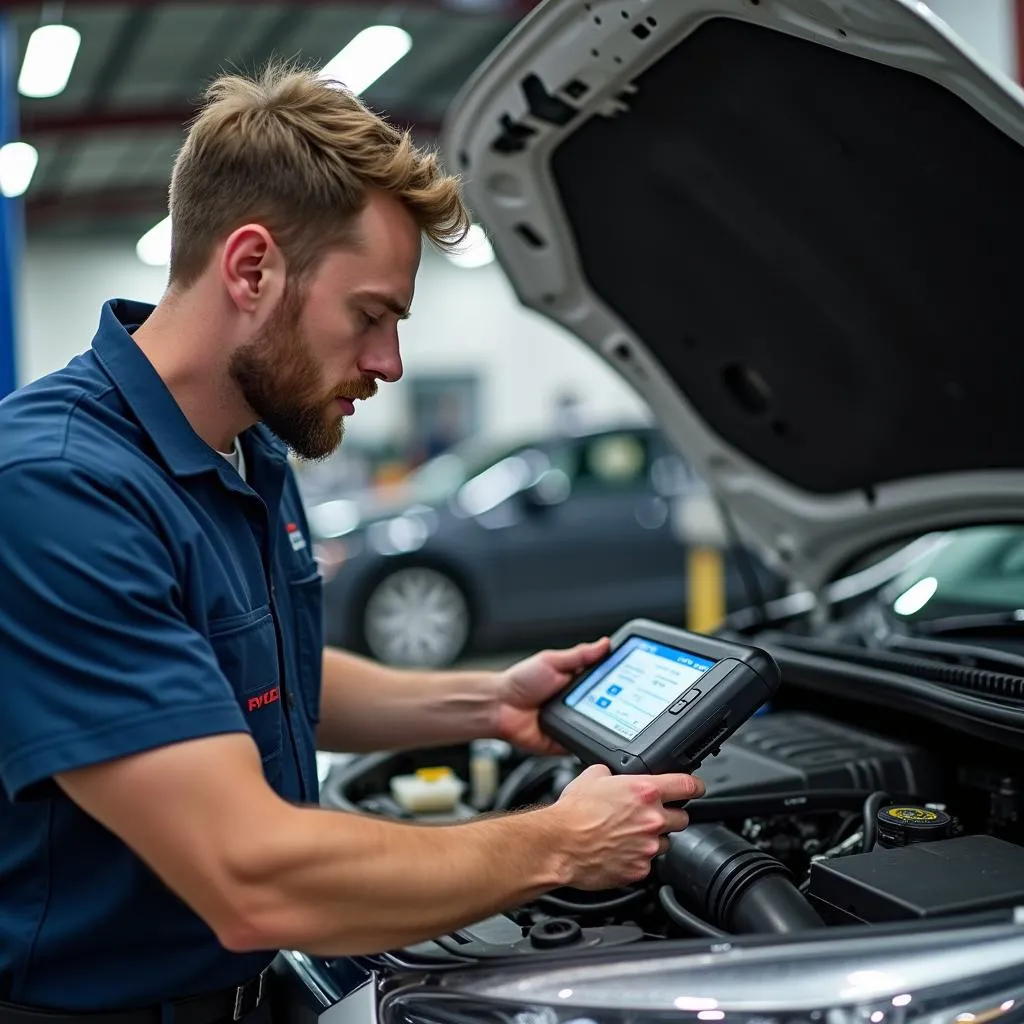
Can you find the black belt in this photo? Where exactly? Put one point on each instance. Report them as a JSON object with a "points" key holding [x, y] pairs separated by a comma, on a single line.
{"points": [[228, 1004]]}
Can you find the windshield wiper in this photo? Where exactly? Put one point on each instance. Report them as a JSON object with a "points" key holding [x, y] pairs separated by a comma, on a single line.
{"points": [[1008, 623]]}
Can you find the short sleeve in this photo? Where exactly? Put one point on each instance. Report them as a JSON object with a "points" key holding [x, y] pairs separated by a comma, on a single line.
{"points": [[97, 658]]}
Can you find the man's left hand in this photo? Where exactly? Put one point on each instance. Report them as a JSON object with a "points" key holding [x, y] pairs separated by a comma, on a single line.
{"points": [[524, 687]]}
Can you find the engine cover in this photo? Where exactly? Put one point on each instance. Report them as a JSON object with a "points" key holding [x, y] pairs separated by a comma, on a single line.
{"points": [[791, 751], [951, 876]]}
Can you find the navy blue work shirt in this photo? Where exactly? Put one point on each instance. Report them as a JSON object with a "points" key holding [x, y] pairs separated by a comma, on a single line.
{"points": [[148, 595]]}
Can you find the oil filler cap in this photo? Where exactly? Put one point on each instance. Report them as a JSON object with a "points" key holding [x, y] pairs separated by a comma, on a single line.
{"points": [[554, 933], [902, 824]]}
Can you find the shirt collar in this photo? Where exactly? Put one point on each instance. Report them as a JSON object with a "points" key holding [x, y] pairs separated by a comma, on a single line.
{"points": [[181, 448]]}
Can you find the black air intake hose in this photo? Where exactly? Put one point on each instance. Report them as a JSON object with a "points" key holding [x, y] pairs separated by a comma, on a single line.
{"points": [[729, 884]]}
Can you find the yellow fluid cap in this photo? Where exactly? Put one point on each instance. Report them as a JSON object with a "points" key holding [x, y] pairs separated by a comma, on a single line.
{"points": [[433, 774]]}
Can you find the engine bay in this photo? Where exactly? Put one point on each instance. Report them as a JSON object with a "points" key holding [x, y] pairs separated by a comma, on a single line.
{"points": [[819, 812]]}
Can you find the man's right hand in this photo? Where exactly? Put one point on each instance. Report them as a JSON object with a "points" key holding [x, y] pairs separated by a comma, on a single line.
{"points": [[264, 874], [616, 824]]}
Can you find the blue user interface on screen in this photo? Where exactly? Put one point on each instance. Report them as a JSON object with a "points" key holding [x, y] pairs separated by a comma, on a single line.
{"points": [[636, 684]]}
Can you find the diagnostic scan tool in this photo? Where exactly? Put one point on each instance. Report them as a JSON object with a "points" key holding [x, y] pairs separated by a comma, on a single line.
{"points": [[661, 701]]}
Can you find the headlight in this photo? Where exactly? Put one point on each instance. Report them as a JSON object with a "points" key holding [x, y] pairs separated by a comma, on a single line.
{"points": [[950, 976], [333, 518], [403, 534]]}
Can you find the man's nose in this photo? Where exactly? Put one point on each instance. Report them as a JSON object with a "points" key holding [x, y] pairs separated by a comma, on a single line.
{"points": [[384, 360]]}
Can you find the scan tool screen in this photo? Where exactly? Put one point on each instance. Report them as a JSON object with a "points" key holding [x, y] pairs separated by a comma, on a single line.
{"points": [[635, 685]]}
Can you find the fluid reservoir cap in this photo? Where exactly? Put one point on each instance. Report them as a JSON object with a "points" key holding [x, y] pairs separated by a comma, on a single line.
{"points": [[903, 824], [556, 932]]}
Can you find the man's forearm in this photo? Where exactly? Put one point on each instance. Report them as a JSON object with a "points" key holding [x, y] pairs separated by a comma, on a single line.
{"points": [[311, 889], [369, 707]]}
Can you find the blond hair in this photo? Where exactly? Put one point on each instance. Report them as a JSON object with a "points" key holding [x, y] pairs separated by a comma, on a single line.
{"points": [[299, 155]]}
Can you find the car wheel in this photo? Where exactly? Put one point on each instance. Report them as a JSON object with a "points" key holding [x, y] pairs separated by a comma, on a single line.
{"points": [[416, 616]]}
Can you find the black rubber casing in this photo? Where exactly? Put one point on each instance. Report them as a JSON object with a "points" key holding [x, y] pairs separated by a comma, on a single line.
{"points": [[742, 680]]}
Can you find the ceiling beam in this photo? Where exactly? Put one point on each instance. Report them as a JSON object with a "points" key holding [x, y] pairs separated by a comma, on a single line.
{"points": [[43, 209], [34, 125]]}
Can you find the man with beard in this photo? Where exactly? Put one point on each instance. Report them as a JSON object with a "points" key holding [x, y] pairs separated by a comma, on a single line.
{"points": [[162, 671]]}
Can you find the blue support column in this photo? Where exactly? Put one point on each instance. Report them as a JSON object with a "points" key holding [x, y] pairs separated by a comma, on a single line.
{"points": [[12, 224]]}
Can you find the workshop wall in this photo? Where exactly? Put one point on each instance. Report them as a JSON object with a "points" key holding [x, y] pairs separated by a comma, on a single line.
{"points": [[988, 25], [466, 323]]}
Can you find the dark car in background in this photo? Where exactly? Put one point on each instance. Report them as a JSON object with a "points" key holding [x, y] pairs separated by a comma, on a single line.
{"points": [[492, 548]]}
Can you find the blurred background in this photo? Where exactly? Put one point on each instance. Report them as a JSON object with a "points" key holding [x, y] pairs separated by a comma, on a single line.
{"points": [[493, 497]]}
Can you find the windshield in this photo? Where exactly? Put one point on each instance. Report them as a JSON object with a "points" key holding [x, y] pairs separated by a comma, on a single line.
{"points": [[973, 571], [444, 474]]}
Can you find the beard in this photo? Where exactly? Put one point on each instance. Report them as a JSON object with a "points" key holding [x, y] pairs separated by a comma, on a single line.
{"points": [[282, 384]]}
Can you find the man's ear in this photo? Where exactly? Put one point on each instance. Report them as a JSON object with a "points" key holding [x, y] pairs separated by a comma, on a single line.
{"points": [[252, 268]]}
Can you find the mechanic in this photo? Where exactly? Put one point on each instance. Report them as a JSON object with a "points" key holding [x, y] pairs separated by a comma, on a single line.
{"points": [[164, 681]]}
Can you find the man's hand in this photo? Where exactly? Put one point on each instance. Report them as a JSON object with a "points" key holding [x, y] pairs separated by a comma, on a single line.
{"points": [[615, 824], [265, 874], [524, 687]]}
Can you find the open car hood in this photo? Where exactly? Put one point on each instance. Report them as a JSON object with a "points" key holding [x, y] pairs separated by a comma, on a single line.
{"points": [[792, 226]]}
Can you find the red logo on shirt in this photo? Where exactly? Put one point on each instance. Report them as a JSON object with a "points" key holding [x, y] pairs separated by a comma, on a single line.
{"points": [[295, 536], [255, 703]]}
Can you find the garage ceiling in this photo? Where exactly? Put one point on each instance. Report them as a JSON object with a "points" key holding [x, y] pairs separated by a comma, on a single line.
{"points": [[106, 144]]}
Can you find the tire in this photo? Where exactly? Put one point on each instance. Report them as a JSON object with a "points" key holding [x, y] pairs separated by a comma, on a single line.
{"points": [[416, 616]]}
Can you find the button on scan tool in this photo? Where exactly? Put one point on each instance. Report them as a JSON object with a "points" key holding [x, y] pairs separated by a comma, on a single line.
{"points": [[687, 698]]}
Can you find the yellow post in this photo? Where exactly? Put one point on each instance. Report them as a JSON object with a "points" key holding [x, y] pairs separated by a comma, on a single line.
{"points": [[698, 526], [705, 584]]}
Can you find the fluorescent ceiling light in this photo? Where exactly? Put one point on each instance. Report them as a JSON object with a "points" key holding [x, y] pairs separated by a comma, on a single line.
{"points": [[154, 247], [368, 56], [474, 250], [17, 165], [49, 58]]}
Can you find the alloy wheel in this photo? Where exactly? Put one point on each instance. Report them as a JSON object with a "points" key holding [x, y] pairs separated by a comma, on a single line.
{"points": [[417, 616]]}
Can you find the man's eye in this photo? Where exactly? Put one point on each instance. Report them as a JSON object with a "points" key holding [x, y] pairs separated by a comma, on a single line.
{"points": [[371, 321]]}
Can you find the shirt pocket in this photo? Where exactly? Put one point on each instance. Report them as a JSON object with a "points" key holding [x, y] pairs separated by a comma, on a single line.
{"points": [[246, 649], [305, 593]]}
